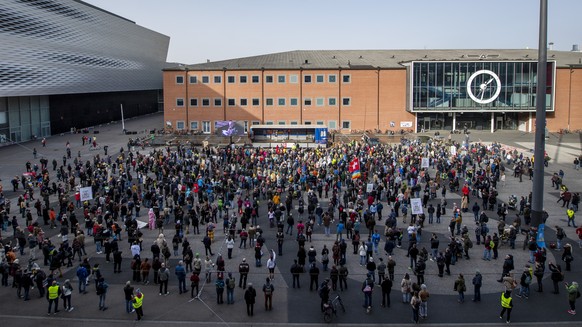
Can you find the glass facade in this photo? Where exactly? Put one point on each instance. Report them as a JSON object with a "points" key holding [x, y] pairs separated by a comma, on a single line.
{"points": [[482, 86]]}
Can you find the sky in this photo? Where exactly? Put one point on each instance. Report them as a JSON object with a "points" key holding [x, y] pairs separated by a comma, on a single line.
{"points": [[226, 29]]}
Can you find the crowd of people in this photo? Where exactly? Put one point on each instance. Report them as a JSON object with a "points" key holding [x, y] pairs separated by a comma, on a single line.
{"points": [[187, 193]]}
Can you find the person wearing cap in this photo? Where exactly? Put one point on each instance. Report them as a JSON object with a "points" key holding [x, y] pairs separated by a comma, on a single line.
{"points": [[250, 297], [137, 302], [52, 295], [243, 269], [128, 293]]}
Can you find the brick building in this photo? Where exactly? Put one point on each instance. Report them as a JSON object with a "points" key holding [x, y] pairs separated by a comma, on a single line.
{"points": [[376, 89]]}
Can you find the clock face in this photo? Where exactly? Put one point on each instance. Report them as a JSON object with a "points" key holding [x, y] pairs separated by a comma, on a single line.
{"points": [[484, 86]]}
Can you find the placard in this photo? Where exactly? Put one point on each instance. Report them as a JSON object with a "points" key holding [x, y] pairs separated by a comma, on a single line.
{"points": [[86, 193], [369, 187], [453, 150], [416, 204], [425, 163]]}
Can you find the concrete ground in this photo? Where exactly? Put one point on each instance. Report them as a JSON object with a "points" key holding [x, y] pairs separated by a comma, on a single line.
{"points": [[300, 306]]}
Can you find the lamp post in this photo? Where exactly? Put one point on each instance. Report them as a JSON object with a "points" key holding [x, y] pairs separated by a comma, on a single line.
{"points": [[537, 203]]}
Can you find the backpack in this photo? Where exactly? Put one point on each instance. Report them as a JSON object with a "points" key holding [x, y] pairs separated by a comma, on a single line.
{"points": [[469, 243], [528, 279], [231, 283], [268, 289], [100, 289]]}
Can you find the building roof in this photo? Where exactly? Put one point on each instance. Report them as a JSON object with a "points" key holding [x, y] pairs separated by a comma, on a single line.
{"points": [[373, 59]]}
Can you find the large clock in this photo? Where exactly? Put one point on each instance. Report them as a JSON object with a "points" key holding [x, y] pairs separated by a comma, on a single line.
{"points": [[484, 86]]}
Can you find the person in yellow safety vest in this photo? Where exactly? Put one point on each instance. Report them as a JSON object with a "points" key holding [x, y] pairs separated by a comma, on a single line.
{"points": [[137, 300], [506, 305], [571, 216], [52, 295]]}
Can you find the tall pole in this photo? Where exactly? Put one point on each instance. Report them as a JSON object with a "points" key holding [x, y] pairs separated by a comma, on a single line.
{"points": [[537, 203], [122, 120]]}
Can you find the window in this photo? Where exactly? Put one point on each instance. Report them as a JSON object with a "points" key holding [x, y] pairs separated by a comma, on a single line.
{"points": [[281, 102], [242, 79], [230, 79], [231, 102], [281, 122], [331, 78], [269, 79], [346, 124], [293, 122], [205, 79], [293, 79], [179, 102], [217, 79], [307, 79], [206, 102], [293, 101], [320, 122], [256, 102], [246, 126], [193, 102], [206, 127], [307, 102], [331, 101], [255, 79], [194, 125], [331, 124], [281, 79], [179, 79], [269, 101], [346, 78], [243, 102], [218, 102], [256, 122], [346, 101], [180, 125], [269, 122], [307, 122], [319, 79], [193, 79], [319, 102]]}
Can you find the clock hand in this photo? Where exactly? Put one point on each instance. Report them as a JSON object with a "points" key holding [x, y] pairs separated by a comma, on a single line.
{"points": [[489, 81]]}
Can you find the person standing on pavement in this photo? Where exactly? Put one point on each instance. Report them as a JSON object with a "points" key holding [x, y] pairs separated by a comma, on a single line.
{"points": [[386, 286], [406, 288], [573, 294], [477, 283], [137, 302], [423, 295], [230, 286], [181, 275], [67, 292], [460, 288], [102, 292], [343, 277], [296, 270], [163, 277], [367, 289], [567, 256], [229, 246], [52, 295], [556, 275], [128, 293], [194, 282], [506, 305], [314, 277], [250, 297], [415, 304], [220, 285], [243, 270], [268, 290]]}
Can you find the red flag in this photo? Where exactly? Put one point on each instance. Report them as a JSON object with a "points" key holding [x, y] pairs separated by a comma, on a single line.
{"points": [[354, 165]]}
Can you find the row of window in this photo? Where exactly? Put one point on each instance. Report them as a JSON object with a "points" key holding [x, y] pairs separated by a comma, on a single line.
{"points": [[206, 125], [281, 102], [269, 79]]}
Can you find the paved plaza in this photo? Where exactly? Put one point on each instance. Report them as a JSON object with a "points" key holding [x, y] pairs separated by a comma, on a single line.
{"points": [[300, 306]]}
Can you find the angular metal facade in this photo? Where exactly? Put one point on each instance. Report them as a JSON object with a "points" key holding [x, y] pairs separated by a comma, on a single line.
{"points": [[66, 46]]}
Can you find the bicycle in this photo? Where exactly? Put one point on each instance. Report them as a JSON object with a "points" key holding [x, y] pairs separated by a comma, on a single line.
{"points": [[330, 308]]}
